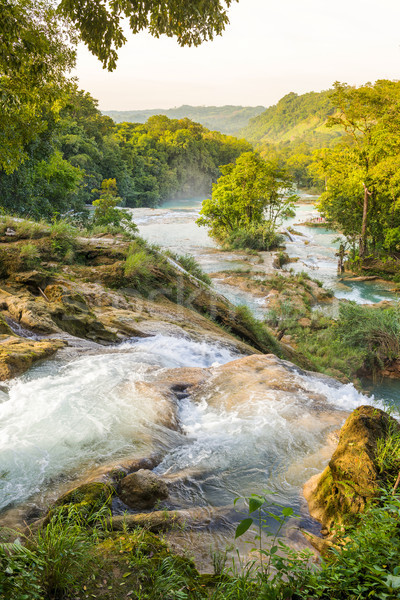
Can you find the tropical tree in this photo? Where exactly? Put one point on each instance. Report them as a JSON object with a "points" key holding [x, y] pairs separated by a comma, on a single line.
{"points": [[35, 55], [248, 203], [362, 185]]}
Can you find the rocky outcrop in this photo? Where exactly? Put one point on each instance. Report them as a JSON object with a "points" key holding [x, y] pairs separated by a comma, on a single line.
{"points": [[353, 476], [18, 354], [142, 490]]}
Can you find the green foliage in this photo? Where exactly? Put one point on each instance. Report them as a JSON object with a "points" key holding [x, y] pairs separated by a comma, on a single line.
{"points": [[34, 57], [138, 265], [254, 237], [190, 264], [226, 119], [100, 26], [262, 336], [106, 213], [49, 563], [374, 332], [73, 154], [63, 240], [361, 173], [366, 566], [29, 255], [387, 454], [249, 200], [292, 115]]}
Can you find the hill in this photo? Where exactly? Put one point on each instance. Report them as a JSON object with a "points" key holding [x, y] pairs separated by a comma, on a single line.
{"points": [[226, 119], [294, 119]]}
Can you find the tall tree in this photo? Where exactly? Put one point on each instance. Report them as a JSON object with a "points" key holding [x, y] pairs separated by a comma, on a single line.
{"points": [[361, 182], [35, 55]]}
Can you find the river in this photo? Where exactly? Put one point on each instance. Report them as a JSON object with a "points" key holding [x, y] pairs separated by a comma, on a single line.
{"points": [[70, 415]]}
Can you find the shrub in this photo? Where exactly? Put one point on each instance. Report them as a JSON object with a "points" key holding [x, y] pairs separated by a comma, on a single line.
{"points": [[374, 331], [107, 215], [254, 237]]}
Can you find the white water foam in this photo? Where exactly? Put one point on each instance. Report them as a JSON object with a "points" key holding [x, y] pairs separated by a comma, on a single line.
{"points": [[58, 417]]}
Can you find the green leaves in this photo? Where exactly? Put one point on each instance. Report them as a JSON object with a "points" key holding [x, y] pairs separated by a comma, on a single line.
{"points": [[100, 24], [250, 199], [243, 527]]}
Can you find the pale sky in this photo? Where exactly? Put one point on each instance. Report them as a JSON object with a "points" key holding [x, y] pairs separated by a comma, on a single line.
{"points": [[269, 48]]}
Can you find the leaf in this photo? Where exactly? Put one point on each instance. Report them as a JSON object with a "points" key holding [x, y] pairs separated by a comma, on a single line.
{"points": [[243, 527], [287, 511], [393, 581], [273, 549], [255, 504]]}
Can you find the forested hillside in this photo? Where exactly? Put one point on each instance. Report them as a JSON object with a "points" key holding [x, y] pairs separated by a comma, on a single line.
{"points": [[292, 129], [294, 118], [72, 154], [226, 119]]}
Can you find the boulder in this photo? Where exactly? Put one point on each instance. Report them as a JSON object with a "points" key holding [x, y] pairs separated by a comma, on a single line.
{"points": [[91, 495], [142, 490], [353, 476]]}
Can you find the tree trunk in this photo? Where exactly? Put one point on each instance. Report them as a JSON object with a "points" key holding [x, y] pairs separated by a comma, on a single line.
{"points": [[363, 238]]}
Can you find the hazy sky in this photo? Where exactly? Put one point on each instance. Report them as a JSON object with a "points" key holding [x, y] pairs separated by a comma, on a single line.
{"points": [[269, 49]]}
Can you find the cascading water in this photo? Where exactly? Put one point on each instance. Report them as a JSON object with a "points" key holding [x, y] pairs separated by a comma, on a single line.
{"points": [[62, 418], [59, 418]]}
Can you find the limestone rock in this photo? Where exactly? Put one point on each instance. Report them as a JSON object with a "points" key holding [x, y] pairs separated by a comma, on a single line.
{"points": [[142, 490], [352, 477], [18, 354]]}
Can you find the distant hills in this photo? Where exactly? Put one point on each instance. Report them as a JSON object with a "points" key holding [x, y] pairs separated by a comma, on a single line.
{"points": [[294, 119], [226, 119]]}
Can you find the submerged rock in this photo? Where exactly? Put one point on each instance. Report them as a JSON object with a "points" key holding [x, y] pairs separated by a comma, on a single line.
{"points": [[142, 489], [353, 476]]}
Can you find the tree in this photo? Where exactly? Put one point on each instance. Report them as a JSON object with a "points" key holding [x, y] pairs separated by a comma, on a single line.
{"points": [[248, 203], [35, 54], [362, 185], [106, 213], [99, 23]]}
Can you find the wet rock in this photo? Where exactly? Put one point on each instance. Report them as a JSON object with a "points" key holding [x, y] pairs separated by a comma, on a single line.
{"points": [[155, 521], [18, 354], [142, 490], [352, 477], [236, 385]]}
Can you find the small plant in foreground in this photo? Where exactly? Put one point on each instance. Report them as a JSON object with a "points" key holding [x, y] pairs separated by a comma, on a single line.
{"points": [[278, 564]]}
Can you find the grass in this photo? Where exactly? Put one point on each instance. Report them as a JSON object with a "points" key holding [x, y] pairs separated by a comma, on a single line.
{"points": [[190, 265], [29, 255]]}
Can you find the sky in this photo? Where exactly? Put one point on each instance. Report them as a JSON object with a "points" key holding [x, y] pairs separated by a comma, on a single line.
{"points": [[269, 49]]}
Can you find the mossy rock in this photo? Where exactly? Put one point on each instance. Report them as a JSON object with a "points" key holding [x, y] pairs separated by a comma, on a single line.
{"points": [[88, 499], [4, 327], [353, 477]]}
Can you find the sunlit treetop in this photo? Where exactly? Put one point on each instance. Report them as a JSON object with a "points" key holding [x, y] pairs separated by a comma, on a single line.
{"points": [[100, 22]]}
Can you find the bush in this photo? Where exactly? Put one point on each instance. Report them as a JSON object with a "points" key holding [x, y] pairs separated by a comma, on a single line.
{"points": [[254, 237], [373, 331]]}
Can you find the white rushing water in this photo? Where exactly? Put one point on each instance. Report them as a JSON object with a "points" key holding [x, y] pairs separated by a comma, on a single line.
{"points": [[62, 418]]}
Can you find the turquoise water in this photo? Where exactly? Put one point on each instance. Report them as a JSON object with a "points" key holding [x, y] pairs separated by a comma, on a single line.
{"points": [[173, 226]]}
